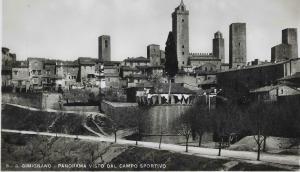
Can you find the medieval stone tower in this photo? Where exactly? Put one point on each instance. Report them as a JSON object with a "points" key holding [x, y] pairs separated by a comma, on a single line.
{"points": [[237, 45], [288, 49], [180, 30], [104, 48], [218, 46], [289, 36]]}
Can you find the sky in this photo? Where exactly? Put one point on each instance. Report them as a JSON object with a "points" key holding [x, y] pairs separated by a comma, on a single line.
{"points": [[68, 29]]}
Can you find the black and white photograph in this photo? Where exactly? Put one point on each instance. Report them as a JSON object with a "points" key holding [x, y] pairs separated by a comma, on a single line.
{"points": [[150, 85]]}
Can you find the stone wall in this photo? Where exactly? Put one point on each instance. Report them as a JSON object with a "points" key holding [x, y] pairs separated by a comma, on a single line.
{"points": [[51, 100], [82, 108], [36, 100], [163, 117], [25, 99]]}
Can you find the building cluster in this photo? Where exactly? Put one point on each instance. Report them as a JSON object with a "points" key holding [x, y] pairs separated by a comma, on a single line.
{"points": [[197, 71]]}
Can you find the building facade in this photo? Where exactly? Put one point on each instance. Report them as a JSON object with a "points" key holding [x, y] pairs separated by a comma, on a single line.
{"points": [[237, 83]]}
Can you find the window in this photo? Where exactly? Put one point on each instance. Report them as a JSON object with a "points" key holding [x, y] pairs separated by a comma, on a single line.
{"points": [[39, 72], [205, 68], [182, 46], [182, 53], [182, 20], [239, 44], [15, 72], [182, 62], [106, 43]]}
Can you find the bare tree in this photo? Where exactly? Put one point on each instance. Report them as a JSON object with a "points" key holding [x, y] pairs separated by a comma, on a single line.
{"points": [[184, 129]]}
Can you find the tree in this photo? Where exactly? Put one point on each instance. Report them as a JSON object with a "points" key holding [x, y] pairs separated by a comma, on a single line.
{"points": [[227, 119], [184, 128], [171, 65], [264, 119]]}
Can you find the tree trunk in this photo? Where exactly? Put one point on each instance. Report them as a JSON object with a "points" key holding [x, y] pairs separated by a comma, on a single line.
{"points": [[264, 145], [200, 138], [258, 145], [220, 146], [169, 96], [160, 141], [115, 136], [187, 144]]}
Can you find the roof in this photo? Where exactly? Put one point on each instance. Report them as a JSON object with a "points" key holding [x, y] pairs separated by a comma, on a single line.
{"points": [[146, 84], [137, 59], [111, 63], [137, 76], [295, 76], [260, 65], [127, 68], [176, 88], [111, 75], [67, 63], [87, 61], [269, 88], [110, 67], [208, 82], [204, 58]]}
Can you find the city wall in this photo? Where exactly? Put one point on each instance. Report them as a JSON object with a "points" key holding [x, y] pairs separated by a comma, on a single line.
{"points": [[162, 118], [36, 100], [82, 108]]}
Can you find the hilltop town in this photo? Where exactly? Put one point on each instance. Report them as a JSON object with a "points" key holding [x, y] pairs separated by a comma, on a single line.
{"points": [[171, 96]]}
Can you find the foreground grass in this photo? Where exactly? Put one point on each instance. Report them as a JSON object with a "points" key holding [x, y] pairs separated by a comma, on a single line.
{"points": [[62, 153]]}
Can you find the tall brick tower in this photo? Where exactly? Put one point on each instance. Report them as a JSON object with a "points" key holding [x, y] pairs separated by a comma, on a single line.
{"points": [[218, 46], [180, 29], [237, 45], [104, 48], [289, 36]]}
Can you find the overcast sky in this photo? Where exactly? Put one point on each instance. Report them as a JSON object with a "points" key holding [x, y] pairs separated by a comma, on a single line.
{"points": [[67, 29]]}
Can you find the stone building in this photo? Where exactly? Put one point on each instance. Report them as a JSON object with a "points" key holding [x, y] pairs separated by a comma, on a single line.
{"points": [[154, 54], [180, 30], [288, 49], [20, 76], [49, 75], [205, 61], [88, 74], [66, 74], [237, 45], [36, 67], [104, 48], [8, 61], [273, 92], [138, 61], [218, 46], [236, 83]]}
